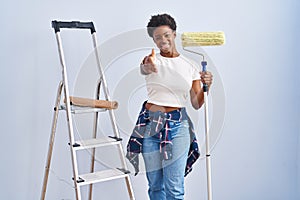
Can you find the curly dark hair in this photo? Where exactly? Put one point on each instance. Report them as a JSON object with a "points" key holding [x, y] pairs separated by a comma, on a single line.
{"points": [[160, 20]]}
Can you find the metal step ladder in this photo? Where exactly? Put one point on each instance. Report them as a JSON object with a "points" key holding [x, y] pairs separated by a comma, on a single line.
{"points": [[74, 105]]}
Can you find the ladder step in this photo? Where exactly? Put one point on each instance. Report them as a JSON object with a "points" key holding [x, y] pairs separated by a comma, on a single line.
{"points": [[101, 176], [81, 110], [96, 142]]}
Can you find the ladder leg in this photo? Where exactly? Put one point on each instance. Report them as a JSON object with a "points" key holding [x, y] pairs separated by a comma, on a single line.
{"points": [[94, 136], [92, 170], [73, 152], [129, 188], [51, 141], [127, 179]]}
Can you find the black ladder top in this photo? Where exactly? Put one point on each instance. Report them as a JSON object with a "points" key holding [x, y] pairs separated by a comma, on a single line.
{"points": [[57, 25]]}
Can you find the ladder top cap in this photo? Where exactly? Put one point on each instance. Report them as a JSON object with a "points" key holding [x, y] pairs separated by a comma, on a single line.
{"points": [[57, 25]]}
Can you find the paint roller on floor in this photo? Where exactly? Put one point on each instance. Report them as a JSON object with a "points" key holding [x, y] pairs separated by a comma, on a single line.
{"points": [[194, 39]]}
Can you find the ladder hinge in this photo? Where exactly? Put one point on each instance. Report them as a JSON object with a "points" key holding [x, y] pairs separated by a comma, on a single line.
{"points": [[75, 144], [80, 180], [116, 138], [125, 171]]}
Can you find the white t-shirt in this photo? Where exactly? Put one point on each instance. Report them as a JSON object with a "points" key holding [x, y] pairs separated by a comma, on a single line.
{"points": [[171, 85]]}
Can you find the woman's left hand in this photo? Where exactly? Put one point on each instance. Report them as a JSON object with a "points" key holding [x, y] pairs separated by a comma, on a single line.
{"points": [[206, 78]]}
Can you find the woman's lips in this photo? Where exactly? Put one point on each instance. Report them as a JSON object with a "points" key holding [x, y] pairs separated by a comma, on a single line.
{"points": [[165, 46]]}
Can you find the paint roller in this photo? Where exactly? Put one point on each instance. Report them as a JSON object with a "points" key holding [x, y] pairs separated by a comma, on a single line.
{"points": [[194, 39]]}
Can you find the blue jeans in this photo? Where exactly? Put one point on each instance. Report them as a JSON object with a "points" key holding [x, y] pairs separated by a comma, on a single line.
{"points": [[166, 177]]}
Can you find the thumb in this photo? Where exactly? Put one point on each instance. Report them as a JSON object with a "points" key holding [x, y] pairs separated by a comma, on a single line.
{"points": [[153, 53], [152, 57]]}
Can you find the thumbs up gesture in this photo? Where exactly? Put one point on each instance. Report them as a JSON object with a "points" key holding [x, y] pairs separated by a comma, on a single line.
{"points": [[148, 65]]}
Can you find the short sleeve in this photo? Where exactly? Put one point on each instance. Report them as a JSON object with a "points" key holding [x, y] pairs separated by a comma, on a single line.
{"points": [[195, 68], [195, 73]]}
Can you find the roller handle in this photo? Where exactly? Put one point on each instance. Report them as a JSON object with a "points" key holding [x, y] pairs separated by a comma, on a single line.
{"points": [[57, 25], [205, 86]]}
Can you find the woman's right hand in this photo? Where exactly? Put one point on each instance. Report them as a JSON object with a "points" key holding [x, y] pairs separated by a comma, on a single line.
{"points": [[148, 65]]}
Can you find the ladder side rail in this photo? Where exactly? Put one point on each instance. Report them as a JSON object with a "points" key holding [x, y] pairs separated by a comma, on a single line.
{"points": [[69, 115], [112, 115], [106, 93], [105, 88], [51, 141]]}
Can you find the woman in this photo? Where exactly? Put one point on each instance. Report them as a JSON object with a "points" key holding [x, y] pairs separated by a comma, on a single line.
{"points": [[163, 132]]}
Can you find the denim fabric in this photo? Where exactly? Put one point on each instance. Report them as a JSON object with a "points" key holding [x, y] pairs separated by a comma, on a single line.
{"points": [[166, 177], [157, 124]]}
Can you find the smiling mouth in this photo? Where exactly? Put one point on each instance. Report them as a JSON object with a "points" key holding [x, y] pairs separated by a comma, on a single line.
{"points": [[165, 46]]}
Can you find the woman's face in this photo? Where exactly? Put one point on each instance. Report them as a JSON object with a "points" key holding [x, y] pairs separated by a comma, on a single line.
{"points": [[164, 38]]}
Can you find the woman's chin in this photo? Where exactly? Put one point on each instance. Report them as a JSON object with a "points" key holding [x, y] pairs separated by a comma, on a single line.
{"points": [[165, 50]]}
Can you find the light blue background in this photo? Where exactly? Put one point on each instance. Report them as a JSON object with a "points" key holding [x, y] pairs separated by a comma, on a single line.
{"points": [[257, 156]]}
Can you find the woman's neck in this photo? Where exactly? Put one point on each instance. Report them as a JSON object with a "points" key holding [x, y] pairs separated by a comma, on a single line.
{"points": [[172, 54]]}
